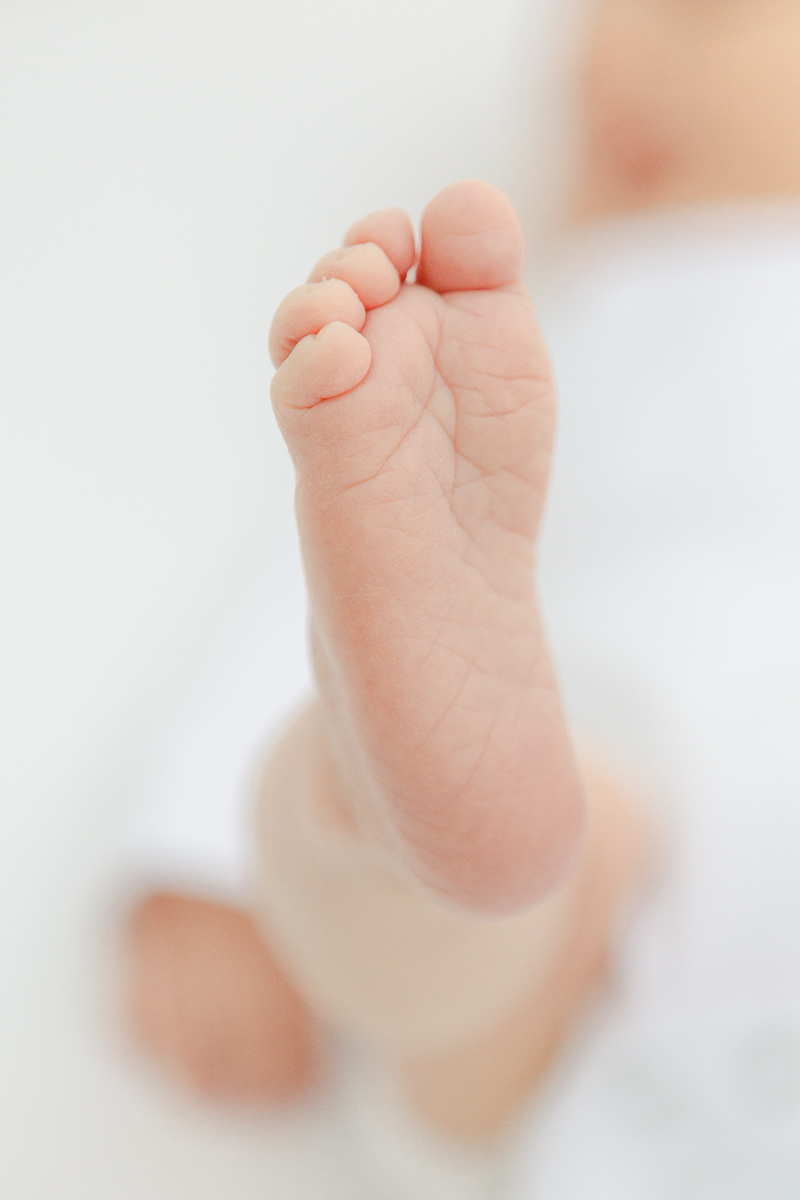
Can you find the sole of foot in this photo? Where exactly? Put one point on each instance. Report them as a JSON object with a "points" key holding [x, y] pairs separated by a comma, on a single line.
{"points": [[420, 417]]}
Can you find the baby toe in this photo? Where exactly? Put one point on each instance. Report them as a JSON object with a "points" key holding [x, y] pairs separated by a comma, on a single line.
{"points": [[472, 239], [320, 367], [366, 267], [308, 309], [389, 228]]}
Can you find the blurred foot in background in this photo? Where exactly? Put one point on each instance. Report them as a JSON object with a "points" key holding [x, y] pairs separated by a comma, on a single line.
{"points": [[208, 1000]]}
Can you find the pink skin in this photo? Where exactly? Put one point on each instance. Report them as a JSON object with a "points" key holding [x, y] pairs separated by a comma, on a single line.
{"points": [[207, 998], [420, 417]]}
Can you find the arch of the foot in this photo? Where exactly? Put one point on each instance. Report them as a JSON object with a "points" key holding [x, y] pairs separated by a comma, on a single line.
{"points": [[471, 239]]}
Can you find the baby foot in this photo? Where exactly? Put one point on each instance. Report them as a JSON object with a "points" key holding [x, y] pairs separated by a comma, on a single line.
{"points": [[208, 999], [420, 418]]}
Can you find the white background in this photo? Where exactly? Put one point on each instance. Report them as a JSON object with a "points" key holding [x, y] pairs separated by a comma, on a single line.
{"points": [[168, 169]]}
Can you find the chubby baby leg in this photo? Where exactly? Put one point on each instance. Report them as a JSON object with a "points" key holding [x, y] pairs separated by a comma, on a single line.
{"points": [[426, 863]]}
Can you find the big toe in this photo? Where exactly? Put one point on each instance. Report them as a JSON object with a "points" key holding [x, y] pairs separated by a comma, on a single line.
{"points": [[471, 239]]}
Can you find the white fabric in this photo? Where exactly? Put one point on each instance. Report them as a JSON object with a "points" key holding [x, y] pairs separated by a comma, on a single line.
{"points": [[402, 1159], [671, 583], [191, 830], [672, 567]]}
